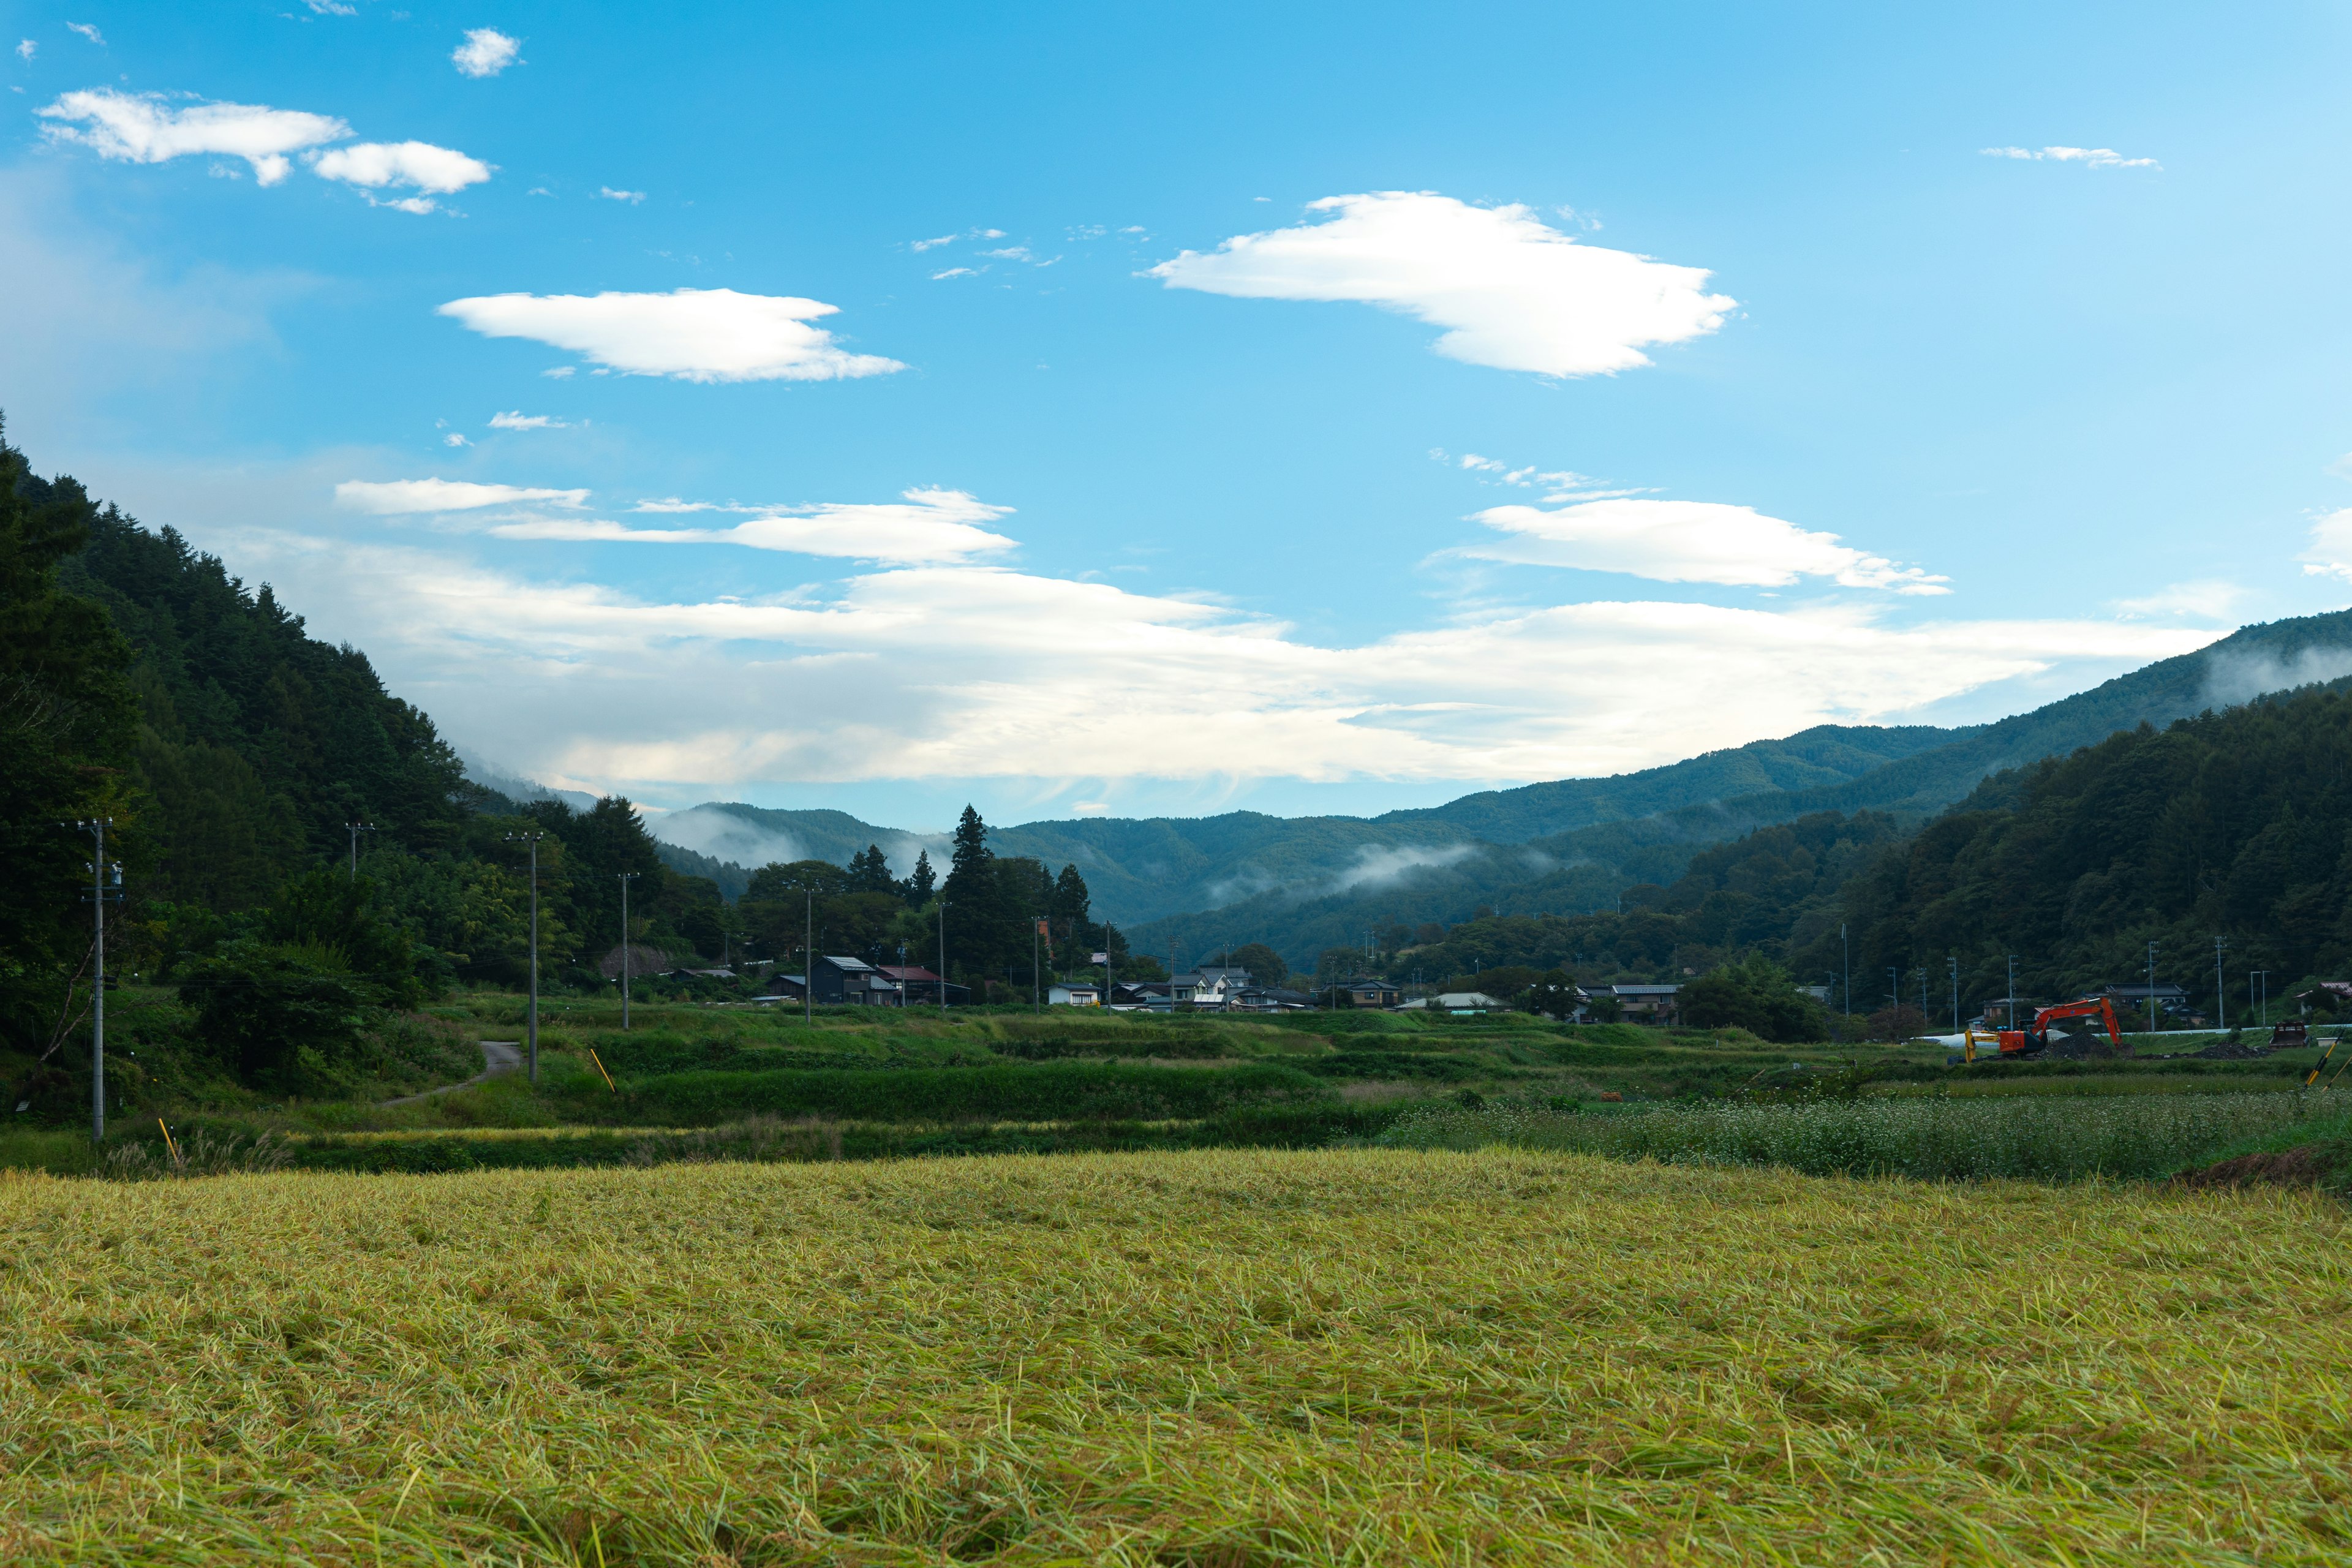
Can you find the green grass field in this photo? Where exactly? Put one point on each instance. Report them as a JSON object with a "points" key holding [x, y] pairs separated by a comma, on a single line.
{"points": [[1227, 1358]]}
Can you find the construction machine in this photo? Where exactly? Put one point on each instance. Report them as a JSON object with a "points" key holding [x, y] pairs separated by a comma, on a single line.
{"points": [[2035, 1037]]}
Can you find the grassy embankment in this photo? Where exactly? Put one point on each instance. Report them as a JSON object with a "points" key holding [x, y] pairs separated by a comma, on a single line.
{"points": [[1231, 1358]]}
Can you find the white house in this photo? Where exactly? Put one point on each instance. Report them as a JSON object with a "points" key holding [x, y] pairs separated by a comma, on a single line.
{"points": [[1063, 993]]}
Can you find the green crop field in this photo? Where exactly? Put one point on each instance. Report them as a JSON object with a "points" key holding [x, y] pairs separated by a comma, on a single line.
{"points": [[1223, 1357]]}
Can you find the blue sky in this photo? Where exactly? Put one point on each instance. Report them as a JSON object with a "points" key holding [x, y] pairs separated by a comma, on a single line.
{"points": [[1602, 385]]}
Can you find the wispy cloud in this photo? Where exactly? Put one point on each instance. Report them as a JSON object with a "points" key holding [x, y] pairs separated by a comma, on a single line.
{"points": [[484, 53], [1511, 292], [27, 49], [610, 195], [691, 334], [2090, 157], [924, 527], [919, 246], [88, 30], [397, 498], [518, 420], [145, 128], [2328, 552], [2208, 598], [1687, 542]]}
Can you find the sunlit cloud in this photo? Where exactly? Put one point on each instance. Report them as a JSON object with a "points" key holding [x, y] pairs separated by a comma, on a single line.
{"points": [[1511, 292], [690, 334]]}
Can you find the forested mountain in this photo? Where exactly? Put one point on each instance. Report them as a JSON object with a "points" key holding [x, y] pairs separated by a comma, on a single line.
{"points": [[231, 752], [1823, 756], [2235, 824], [257, 744]]}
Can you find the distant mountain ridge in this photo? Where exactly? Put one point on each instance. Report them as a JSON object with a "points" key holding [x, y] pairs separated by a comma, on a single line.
{"points": [[1566, 846]]}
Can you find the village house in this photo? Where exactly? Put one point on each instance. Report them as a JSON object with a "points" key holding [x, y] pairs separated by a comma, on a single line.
{"points": [[1645, 1004]]}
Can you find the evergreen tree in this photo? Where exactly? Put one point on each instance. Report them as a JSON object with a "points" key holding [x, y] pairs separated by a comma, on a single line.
{"points": [[922, 884], [972, 851], [869, 872], [1069, 903]]}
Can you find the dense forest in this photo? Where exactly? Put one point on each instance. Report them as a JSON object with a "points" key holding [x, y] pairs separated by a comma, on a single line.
{"points": [[2234, 825]]}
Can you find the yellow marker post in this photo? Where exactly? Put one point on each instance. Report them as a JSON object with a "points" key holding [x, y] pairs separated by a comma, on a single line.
{"points": [[168, 1145], [600, 1069]]}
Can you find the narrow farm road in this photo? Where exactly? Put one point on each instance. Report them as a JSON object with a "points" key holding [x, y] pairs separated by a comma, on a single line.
{"points": [[500, 1057]]}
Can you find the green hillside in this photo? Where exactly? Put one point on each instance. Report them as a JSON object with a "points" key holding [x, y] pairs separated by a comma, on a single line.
{"points": [[1821, 757], [2232, 825], [1583, 869]]}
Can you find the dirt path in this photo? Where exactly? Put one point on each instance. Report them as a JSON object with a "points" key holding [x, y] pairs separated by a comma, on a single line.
{"points": [[501, 1057]]}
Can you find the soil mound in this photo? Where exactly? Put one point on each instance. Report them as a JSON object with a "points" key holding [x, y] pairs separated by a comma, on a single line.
{"points": [[2233, 1051], [2307, 1165]]}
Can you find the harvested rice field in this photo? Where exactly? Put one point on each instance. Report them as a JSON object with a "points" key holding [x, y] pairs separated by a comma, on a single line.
{"points": [[1217, 1358]]}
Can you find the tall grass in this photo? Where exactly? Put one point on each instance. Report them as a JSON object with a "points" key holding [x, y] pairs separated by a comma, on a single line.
{"points": [[2036, 1138], [1224, 1360]]}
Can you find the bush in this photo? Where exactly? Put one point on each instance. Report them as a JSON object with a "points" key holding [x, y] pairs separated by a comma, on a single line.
{"points": [[1757, 995]]}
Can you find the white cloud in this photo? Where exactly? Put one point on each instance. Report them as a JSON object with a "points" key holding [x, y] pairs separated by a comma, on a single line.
{"points": [[926, 527], [87, 30], [455, 439], [919, 246], [1687, 542], [27, 49], [2207, 597], [419, 165], [966, 672], [143, 128], [951, 272], [2090, 157], [518, 420], [1510, 292], [673, 504], [396, 497], [486, 52], [560, 372], [2329, 554], [693, 335], [332, 8], [610, 195]]}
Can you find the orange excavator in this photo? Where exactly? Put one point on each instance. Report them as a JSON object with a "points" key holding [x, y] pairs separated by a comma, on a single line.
{"points": [[2034, 1039]]}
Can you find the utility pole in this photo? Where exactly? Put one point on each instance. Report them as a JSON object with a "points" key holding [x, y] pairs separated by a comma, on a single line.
{"points": [[98, 897], [943, 958], [1955, 962], [1106, 1001], [2263, 1002], [808, 956], [532, 839], [2009, 1020], [1036, 976], [627, 877], [2151, 988], [1846, 943], [1893, 989], [356, 829], [2221, 986]]}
